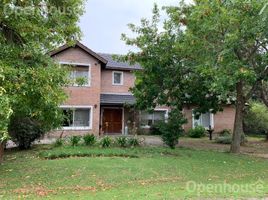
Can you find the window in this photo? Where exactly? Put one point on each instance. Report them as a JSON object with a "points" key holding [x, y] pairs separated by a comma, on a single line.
{"points": [[117, 78], [77, 118], [79, 74], [205, 119], [149, 119]]}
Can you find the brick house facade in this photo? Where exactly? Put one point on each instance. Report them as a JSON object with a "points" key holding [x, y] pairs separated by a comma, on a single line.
{"points": [[98, 105]]}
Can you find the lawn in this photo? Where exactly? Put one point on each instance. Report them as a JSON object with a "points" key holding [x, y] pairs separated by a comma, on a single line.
{"points": [[138, 173]]}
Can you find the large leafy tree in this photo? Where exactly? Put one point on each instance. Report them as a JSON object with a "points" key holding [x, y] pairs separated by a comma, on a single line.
{"points": [[33, 82], [219, 54]]}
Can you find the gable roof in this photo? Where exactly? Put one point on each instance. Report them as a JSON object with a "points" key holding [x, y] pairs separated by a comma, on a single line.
{"points": [[114, 64], [106, 59], [79, 44]]}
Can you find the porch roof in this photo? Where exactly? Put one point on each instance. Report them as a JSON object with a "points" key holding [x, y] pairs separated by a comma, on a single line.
{"points": [[117, 99]]}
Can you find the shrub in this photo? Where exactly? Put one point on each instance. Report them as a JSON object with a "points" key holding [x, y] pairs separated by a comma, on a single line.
{"points": [[59, 142], [225, 132], [256, 119], [106, 142], [227, 139], [155, 129], [24, 131], [122, 141], [74, 140], [89, 139], [170, 131], [197, 132], [134, 141]]}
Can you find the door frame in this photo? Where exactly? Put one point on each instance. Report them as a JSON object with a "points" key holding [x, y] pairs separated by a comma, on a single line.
{"points": [[115, 108]]}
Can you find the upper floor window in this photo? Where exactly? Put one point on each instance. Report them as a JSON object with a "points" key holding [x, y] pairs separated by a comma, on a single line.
{"points": [[79, 74], [117, 78]]}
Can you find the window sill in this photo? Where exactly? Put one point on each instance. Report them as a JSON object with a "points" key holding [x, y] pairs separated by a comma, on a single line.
{"points": [[78, 86], [117, 84], [77, 128]]}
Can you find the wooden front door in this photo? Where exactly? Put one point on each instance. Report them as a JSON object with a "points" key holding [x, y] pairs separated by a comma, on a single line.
{"points": [[112, 121]]}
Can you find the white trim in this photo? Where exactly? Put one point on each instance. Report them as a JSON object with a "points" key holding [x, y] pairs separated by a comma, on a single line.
{"points": [[80, 64], [116, 93], [156, 109], [122, 78], [211, 122], [80, 127]]}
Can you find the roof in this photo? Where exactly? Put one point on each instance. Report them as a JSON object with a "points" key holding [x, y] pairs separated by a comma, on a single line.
{"points": [[117, 99], [86, 49], [114, 64]]}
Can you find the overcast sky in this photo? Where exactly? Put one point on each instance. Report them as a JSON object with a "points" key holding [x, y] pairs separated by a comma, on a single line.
{"points": [[105, 20]]}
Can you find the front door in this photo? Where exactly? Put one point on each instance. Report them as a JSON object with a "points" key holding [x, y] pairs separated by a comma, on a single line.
{"points": [[112, 121]]}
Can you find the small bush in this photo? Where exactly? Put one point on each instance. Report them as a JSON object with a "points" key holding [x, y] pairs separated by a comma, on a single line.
{"points": [[106, 142], [89, 139], [134, 142], [227, 139], [155, 129], [225, 132], [171, 131], [24, 131], [197, 132], [74, 140], [59, 142], [122, 141]]}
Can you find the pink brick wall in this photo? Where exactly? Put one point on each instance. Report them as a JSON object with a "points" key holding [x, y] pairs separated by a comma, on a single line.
{"points": [[107, 85], [84, 96], [222, 120]]}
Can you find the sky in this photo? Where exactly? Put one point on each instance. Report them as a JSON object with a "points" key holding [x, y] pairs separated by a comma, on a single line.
{"points": [[105, 20]]}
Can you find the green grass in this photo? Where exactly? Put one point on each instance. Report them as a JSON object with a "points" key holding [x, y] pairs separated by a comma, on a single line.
{"points": [[137, 173]]}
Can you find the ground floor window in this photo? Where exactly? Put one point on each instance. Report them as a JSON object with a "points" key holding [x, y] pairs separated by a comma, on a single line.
{"points": [[77, 118], [148, 119], [205, 119]]}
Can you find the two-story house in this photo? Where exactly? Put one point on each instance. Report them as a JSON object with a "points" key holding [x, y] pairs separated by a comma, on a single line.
{"points": [[99, 104]]}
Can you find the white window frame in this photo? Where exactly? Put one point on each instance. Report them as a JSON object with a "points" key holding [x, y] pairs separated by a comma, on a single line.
{"points": [[80, 64], [200, 118], [158, 109], [79, 107], [122, 78]]}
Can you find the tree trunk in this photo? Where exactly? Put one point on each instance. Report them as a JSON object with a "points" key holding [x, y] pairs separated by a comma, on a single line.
{"points": [[2, 145], [238, 124]]}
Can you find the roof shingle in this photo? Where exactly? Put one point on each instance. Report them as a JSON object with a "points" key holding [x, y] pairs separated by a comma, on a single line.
{"points": [[114, 64], [117, 99]]}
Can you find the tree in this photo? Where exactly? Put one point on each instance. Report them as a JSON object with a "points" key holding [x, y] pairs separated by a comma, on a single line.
{"points": [[5, 112], [33, 82], [209, 53], [256, 118]]}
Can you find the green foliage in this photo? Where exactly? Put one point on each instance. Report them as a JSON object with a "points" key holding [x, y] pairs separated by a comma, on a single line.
{"points": [[106, 142], [24, 131], [256, 119], [210, 52], [197, 132], [5, 110], [89, 139], [172, 129], [31, 84], [227, 139], [225, 132], [59, 142], [75, 139], [122, 141], [134, 141]]}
